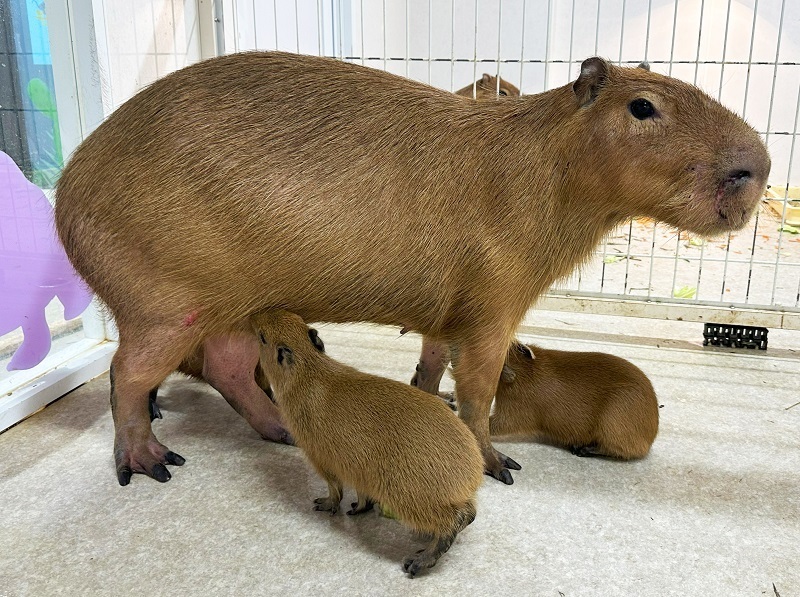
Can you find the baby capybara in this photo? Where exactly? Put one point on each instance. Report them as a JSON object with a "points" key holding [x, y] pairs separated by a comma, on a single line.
{"points": [[590, 402], [394, 444], [487, 88]]}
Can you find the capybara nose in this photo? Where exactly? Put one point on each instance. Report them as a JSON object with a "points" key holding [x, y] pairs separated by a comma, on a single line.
{"points": [[737, 178]]}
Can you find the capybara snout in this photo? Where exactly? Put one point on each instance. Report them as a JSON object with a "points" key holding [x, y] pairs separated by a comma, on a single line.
{"points": [[637, 118]]}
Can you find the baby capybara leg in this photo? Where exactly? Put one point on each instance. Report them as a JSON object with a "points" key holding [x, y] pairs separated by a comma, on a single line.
{"points": [[433, 361], [441, 542], [140, 365], [330, 503], [229, 365], [364, 504]]}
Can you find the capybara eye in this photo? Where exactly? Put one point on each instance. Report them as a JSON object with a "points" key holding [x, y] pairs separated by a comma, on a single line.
{"points": [[503, 93], [641, 108]]}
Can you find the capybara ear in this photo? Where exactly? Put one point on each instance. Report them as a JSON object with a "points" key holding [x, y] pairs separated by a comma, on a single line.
{"points": [[285, 356], [486, 79], [507, 375], [594, 72], [525, 351], [644, 65], [313, 335]]}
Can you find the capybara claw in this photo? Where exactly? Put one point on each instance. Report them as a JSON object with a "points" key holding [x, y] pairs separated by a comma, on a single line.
{"points": [[503, 475], [155, 410], [509, 462], [173, 458], [124, 475], [160, 473]]}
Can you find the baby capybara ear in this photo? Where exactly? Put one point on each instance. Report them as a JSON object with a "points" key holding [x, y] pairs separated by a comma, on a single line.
{"points": [[594, 72], [313, 335], [285, 356], [644, 65], [525, 351]]}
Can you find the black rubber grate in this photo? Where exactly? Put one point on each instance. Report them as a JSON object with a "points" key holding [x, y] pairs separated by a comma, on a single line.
{"points": [[737, 336]]}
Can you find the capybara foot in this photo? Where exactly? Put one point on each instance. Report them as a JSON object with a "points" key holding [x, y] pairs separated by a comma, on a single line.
{"points": [[326, 504], [146, 456], [496, 464], [275, 432], [427, 558], [155, 411], [362, 505], [585, 451], [449, 398]]}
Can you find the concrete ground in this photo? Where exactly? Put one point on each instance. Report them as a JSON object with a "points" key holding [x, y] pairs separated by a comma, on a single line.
{"points": [[713, 510]]}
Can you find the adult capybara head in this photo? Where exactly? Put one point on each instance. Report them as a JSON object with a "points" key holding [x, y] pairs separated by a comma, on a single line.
{"points": [[286, 341], [487, 88], [669, 151]]}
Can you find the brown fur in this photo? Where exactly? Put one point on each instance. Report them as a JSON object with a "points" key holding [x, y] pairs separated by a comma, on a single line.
{"points": [[590, 402], [487, 88], [394, 444], [214, 194]]}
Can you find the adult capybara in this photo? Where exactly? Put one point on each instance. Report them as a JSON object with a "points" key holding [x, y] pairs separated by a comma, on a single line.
{"points": [[590, 402], [361, 196], [489, 87], [396, 445]]}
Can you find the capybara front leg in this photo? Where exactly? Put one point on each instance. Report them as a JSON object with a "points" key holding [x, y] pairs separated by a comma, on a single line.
{"points": [[230, 362], [330, 503], [477, 373]]}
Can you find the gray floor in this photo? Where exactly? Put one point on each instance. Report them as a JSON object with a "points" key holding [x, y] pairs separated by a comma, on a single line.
{"points": [[714, 510]]}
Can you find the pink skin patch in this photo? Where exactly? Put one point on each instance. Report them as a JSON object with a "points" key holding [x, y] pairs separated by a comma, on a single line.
{"points": [[189, 320]]}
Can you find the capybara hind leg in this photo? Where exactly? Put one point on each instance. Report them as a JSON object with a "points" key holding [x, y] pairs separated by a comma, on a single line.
{"points": [[477, 373], [364, 504], [136, 369], [230, 367], [330, 503], [426, 558], [433, 361]]}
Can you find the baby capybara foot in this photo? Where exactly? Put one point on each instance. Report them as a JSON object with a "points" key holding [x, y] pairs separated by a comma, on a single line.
{"points": [[326, 504], [427, 558], [362, 505], [586, 451], [155, 411]]}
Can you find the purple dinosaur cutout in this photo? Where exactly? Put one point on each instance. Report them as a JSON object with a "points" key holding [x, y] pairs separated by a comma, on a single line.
{"points": [[33, 267]]}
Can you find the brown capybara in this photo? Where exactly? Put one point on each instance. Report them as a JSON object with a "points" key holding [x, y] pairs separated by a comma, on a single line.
{"points": [[213, 194], [487, 88], [394, 444], [590, 402]]}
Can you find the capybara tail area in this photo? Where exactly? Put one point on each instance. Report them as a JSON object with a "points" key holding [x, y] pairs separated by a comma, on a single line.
{"points": [[438, 519]]}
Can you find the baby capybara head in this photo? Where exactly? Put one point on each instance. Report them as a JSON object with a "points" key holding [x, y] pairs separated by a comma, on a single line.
{"points": [[487, 88], [668, 150], [286, 342]]}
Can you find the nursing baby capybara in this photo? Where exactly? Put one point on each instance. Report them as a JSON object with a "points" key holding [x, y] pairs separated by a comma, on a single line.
{"points": [[394, 444], [590, 402], [362, 196], [487, 87]]}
